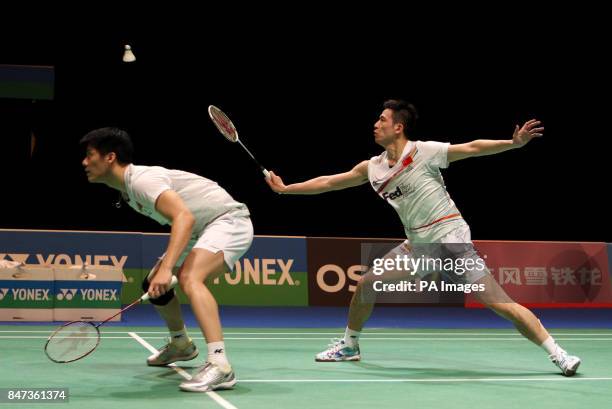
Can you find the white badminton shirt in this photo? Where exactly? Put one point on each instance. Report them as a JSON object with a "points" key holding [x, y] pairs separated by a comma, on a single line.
{"points": [[414, 187], [203, 197]]}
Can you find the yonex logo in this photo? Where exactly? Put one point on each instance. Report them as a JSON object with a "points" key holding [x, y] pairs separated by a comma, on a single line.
{"points": [[67, 259], [106, 294], [69, 294], [66, 293], [218, 351], [30, 294], [261, 272], [3, 292]]}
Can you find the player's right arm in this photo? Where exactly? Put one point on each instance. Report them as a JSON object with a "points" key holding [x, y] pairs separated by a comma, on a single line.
{"points": [[354, 177]]}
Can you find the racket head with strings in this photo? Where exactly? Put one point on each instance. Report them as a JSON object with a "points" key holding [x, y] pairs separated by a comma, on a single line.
{"points": [[223, 123], [228, 130], [77, 339], [72, 341]]}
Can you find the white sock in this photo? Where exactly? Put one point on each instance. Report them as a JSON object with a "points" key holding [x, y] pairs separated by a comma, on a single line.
{"points": [[216, 355], [180, 337], [351, 338], [551, 346]]}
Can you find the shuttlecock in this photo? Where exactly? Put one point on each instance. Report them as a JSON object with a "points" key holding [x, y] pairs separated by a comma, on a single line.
{"points": [[128, 55]]}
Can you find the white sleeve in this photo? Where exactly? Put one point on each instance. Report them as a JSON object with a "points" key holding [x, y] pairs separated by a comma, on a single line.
{"points": [[149, 185], [436, 153]]}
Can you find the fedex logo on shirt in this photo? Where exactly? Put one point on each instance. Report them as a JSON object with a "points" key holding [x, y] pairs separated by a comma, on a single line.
{"points": [[393, 195], [399, 191]]}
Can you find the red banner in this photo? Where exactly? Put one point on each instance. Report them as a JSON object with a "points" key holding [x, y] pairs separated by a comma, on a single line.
{"points": [[549, 274]]}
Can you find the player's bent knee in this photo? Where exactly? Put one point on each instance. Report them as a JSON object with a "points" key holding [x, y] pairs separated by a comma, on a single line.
{"points": [[188, 284], [163, 299]]}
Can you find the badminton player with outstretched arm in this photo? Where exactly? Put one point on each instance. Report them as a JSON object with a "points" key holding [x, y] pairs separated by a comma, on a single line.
{"points": [[210, 232], [407, 175]]}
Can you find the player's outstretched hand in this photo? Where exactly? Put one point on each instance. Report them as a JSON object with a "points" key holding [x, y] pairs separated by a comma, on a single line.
{"points": [[527, 132]]}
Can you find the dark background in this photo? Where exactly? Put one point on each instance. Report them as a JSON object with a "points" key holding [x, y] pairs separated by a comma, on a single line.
{"points": [[304, 93]]}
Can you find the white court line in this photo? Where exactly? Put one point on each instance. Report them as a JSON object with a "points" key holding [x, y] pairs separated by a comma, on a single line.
{"points": [[365, 333], [213, 395], [557, 379], [397, 339], [327, 339]]}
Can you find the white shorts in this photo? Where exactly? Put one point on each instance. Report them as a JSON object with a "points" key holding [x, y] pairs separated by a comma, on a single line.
{"points": [[456, 244], [228, 233]]}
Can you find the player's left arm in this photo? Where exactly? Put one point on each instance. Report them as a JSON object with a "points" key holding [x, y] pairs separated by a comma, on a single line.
{"points": [[482, 147], [172, 207]]}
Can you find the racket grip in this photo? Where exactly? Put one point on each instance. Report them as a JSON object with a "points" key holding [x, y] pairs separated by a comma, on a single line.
{"points": [[173, 283], [266, 173]]}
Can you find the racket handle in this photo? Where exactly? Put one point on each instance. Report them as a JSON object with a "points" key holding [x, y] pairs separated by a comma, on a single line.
{"points": [[173, 283], [266, 173]]}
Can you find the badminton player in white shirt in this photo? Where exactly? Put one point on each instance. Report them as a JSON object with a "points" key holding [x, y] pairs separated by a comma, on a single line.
{"points": [[407, 176], [210, 232]]}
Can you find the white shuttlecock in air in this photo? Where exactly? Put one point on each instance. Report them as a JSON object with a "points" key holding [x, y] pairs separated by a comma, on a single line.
{"points": [[128, 55]]}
